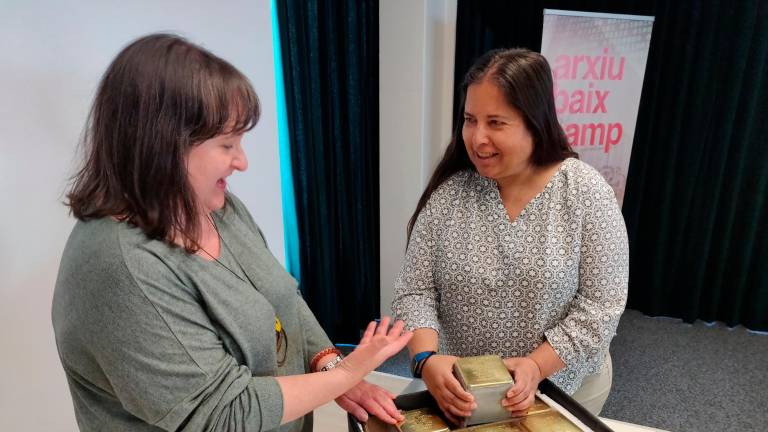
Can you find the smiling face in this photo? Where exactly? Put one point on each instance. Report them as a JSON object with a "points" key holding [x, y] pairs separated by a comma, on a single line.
{"points": [[208, 166], [495, 135]]}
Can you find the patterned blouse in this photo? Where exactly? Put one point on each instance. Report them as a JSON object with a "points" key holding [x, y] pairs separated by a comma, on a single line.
{"points": [[490, 285]]}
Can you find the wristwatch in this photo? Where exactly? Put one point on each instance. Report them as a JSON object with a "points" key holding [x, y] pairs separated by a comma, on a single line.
{"points": [[331, 364], [417, 363]]}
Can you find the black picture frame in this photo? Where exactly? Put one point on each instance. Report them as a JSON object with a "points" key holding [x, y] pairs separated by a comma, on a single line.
{"points": [[424, 399]]}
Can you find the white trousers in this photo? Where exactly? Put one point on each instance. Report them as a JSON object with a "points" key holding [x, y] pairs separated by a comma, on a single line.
{"points": [[595, 388]]}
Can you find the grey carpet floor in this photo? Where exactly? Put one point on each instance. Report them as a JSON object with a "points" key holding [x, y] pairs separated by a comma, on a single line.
{"points": [[688, 377], [680, 377]]}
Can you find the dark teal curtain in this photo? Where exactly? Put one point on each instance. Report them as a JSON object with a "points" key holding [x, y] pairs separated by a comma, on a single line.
{"points": [[330, 64], [696, 203]]}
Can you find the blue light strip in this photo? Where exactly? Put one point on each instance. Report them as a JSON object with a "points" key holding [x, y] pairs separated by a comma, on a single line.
{"points": [[290, 226]]}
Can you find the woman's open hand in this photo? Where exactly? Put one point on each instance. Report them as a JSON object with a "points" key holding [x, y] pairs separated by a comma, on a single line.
{"points": [[366, 398], [377, 344]]}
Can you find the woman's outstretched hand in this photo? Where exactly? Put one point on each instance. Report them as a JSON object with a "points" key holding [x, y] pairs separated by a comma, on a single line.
{"points": [[305, 392], [377, 344]]}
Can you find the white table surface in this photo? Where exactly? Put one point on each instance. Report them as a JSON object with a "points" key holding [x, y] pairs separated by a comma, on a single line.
{"points": [[331, 418]]}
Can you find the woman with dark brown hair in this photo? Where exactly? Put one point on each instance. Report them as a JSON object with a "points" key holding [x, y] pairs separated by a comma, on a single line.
{"points": [[169, 311], [516, 247]]}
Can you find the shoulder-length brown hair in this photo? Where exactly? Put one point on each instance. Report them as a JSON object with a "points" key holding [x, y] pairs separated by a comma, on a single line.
{"points": [[525, 79], [161, 96]]}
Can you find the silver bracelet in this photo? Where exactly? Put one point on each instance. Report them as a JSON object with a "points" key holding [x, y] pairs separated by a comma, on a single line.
{"points": [[331, 364]]}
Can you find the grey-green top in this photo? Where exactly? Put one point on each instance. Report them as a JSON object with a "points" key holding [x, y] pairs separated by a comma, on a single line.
{"points": [[152, 338]]}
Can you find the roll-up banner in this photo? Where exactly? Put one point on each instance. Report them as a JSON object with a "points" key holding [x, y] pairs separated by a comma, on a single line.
{"points": [[598, 65]]}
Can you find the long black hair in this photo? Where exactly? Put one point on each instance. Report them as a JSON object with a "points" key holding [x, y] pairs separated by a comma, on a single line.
{"points": [[525, 79]]}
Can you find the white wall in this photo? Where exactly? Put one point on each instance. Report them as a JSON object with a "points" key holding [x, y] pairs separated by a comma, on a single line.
{"points": [[416, 54], [53, 54]]}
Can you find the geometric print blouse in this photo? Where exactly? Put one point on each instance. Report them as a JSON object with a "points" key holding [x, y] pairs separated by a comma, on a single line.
{"points": [[489, 285]]}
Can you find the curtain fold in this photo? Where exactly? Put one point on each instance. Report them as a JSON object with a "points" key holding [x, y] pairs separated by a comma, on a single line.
{"points": [[330, 66], [695, 203]]}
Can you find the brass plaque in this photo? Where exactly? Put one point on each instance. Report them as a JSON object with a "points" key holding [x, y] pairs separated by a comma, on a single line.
{"points": [[505, 426], [482, 371], [551, 421], [423, 420], [538, 407], [375, 425], [488, 380]]}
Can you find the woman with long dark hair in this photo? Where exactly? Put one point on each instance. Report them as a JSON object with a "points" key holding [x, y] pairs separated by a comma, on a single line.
{"points": [[515, 248], [169, 311]]}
